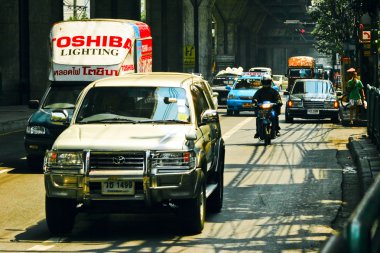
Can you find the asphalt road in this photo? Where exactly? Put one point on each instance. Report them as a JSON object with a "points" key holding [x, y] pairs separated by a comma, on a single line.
{"points": [[281, 198]]}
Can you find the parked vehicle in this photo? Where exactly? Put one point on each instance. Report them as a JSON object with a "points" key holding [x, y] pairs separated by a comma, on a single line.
{"points": [[81, 52], [266, 115], [312, 99], [241, 93], [139, 142], [300, 67]]}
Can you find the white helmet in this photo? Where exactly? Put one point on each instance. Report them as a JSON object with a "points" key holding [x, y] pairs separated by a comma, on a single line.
{"points": [[266, 80]]}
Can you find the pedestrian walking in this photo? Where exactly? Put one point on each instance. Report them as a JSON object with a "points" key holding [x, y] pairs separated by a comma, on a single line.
{"points": [[356, 96]]}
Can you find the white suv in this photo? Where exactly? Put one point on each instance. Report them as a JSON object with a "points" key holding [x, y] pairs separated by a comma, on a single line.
{"points": [[140, 141]]}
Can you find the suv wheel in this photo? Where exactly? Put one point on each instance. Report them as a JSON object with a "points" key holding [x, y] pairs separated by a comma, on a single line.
{"points": [[194, 212], [229, 112], [236, 113], [215, 201], [60, 215], [335, 119]]}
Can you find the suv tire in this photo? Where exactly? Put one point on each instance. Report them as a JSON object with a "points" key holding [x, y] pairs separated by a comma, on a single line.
{"points": [[215, 201], [60, 215], [194, 212], [34, 162], [288, 119]]}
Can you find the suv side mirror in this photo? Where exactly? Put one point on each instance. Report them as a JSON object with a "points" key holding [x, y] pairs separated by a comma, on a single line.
{"points": [[59, 117], [33, 104], [209, 116]]}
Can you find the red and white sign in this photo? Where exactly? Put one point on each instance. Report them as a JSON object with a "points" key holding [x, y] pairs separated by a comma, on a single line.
{"points": [[92, 49], [366, 35]]}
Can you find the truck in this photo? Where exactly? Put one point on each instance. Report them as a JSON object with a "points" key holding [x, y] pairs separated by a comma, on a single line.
{"points": [[83, 51], [300, 67]]}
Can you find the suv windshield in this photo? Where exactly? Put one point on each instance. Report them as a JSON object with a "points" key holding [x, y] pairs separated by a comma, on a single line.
{"points": [[312, 87], [134, 104], [62, 97]]}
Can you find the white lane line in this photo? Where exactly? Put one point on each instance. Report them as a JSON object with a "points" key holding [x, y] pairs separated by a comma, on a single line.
{"points": [[50, 241], [235, 129], [5, 170]]}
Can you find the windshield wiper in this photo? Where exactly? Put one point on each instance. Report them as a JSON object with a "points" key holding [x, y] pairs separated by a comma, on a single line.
{"points": [[110, 120], [164, 121]]}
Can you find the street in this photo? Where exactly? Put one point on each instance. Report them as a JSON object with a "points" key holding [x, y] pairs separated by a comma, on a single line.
{"points": [[279, 198]]}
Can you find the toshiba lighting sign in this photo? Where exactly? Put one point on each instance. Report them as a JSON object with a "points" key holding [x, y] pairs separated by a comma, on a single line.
{"points": [[88, 50]]}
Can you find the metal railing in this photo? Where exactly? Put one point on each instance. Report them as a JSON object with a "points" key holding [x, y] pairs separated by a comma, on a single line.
{"points": [[373, 114], [361, 233]]}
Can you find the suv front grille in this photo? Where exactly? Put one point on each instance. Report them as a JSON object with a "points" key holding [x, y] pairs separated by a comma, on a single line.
{"points": [[117, 161]]}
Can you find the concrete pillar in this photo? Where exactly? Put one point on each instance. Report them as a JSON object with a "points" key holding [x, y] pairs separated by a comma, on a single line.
{"points": [[127, 9], [188, 30], [10, 53], [231, 37], [165, 20], [39, 29], [205, 38], [24, 57]]}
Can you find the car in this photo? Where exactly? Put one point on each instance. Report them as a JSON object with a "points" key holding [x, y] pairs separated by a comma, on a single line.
{"points": [[240, 94], [312, 99], [41, 132], [142, 142], [280, 81], [219, 83], [261, 70]]}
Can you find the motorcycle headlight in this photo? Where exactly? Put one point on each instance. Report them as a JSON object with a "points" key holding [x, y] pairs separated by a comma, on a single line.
{"points": [[63, 159], [36, 130], [173, 159]]}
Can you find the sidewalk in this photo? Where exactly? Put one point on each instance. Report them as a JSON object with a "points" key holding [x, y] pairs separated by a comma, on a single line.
{"points": [[14, 118]]}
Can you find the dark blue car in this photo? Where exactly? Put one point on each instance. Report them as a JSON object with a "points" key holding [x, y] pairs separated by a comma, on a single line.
{"points": [[40, 132]]}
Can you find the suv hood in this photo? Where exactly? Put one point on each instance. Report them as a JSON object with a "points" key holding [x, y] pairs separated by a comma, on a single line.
{"points": [[136, 137]]}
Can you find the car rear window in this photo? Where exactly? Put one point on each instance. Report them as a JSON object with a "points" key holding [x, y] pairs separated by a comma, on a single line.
{"points": [[312, 87]]}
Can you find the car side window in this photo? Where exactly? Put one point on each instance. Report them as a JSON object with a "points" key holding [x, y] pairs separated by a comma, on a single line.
{"points": [[199, 101]]}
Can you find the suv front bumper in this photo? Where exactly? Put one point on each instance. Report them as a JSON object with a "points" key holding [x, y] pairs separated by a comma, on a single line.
{"points": [[151, 187]]}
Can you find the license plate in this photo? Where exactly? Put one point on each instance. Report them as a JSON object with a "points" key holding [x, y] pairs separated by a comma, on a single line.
{"points": [[312, 111], [118, 187], [247, 105]]}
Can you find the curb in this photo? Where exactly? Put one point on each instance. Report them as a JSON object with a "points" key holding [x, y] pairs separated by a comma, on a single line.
{"points": [[364, 153]]}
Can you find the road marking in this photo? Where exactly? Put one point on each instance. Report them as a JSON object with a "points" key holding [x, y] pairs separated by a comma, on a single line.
{"points": [[5, 170], [235, 129], [42, 247]]}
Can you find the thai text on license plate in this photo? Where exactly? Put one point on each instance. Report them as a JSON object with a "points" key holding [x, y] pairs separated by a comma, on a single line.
{"points": [[118, 187]]}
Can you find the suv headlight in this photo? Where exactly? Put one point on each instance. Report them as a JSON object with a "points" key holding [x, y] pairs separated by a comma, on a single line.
{"points": [[174, 159], [36, 130], [63, 159], [331, 104]]}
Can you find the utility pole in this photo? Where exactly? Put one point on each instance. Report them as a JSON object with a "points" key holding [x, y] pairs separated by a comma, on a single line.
{"points": [[75, 9]]}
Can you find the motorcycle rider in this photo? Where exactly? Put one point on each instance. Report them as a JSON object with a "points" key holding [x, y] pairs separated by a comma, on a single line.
{"points": [[267, 93]]}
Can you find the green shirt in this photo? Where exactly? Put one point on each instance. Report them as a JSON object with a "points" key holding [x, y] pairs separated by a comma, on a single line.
{"points": [[355, 86]]}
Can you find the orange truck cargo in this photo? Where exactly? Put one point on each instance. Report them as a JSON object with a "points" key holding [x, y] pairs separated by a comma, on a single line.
{"points": [[300, 67]]}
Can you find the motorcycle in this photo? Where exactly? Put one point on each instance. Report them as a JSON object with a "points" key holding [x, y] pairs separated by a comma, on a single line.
{"points": [[266, 116]]}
